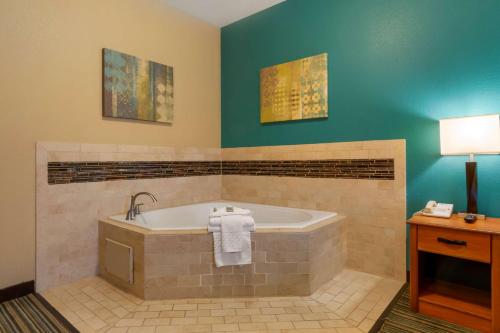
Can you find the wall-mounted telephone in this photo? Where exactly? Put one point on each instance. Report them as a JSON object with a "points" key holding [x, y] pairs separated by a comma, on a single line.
{"points": [[437, 209]]}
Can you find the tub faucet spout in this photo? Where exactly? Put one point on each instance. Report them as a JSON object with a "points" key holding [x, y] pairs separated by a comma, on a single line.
{"points": [[135, 208]]}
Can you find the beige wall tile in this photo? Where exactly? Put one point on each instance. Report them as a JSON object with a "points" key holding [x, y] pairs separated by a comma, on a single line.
{"points": [[67, 214], [375, 209]]}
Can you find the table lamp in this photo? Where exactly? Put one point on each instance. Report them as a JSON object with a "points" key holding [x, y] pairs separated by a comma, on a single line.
{"points": [[469, 136]]}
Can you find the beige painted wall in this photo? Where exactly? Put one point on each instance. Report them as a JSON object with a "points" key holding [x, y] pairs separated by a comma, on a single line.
{"points": [[50, 90]]}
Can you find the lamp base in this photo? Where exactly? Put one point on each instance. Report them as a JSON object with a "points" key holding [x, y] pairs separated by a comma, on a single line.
{"points": [[471, 180]]}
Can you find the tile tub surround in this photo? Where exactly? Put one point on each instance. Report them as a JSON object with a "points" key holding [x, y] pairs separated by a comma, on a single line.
{"points": [[375, 209], [67, 214], [180, 264]]}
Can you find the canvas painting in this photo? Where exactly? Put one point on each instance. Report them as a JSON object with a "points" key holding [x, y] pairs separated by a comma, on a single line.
{"points": [[294, 90], [137, 89]]}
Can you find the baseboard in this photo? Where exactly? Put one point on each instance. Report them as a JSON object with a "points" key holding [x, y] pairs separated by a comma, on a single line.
{"points": [[19, 290]]}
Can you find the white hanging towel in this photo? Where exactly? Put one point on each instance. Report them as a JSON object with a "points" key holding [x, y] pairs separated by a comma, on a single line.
{"points": [[231, 230], [244, 257], [232, 241]]}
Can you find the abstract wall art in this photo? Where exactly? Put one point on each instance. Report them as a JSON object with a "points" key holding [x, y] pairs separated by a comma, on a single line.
{"points": [[294, 90], [137, 89]]}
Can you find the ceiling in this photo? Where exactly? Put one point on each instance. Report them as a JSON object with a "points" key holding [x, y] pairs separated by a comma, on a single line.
{"points": [[222, 12]]}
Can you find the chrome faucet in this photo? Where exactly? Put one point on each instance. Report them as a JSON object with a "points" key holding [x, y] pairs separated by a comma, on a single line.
{"points": [[135, 208]]}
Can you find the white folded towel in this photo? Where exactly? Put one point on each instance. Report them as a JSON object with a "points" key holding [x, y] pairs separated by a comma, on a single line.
{"points": [[222, 211], [214, 223]]}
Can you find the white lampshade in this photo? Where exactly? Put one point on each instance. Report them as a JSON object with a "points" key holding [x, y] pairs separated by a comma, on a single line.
{"points": [[470, 135]]}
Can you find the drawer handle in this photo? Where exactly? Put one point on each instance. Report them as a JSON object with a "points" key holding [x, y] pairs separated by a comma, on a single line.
{"points": [[452, 242]]}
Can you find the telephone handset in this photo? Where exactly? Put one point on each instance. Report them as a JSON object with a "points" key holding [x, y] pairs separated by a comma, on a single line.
{"points": [[432, 208]]}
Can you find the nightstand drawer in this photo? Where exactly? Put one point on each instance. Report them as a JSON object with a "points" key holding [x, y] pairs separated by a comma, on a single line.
{"points": [[455, 243]]}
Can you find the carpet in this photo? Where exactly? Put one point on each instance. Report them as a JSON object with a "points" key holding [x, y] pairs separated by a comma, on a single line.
{"points": [[399, 318], [32, 314]]}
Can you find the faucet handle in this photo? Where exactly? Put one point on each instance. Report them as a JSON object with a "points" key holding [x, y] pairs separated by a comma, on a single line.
{"points": [[137, 208]]}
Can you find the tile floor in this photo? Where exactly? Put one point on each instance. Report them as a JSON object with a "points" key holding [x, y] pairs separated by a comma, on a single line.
{"points": [[350, 303]]}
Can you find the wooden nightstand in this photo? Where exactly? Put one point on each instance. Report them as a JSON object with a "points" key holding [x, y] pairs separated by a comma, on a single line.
{"points": [[455, 270]]}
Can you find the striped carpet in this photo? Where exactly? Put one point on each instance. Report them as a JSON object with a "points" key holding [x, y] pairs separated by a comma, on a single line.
{"points": [[31, 314], [399, 318]]}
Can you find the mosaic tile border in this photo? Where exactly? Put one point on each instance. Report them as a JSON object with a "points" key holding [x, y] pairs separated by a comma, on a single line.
{"points": [[345, 168], [84, 172]]}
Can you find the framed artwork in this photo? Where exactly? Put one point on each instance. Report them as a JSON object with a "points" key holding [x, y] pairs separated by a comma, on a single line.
{"points": [[294, 90], [137, 89]]}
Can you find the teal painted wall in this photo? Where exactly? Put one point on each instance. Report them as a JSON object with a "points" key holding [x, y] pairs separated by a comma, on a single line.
{"points": [[395, 68]]}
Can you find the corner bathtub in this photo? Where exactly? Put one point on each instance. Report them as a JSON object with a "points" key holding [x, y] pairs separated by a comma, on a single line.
{"points": [[170, 253], [195, 217]]}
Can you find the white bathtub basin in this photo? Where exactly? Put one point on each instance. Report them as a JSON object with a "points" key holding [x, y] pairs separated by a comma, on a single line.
{"points": [[196, 216]]}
